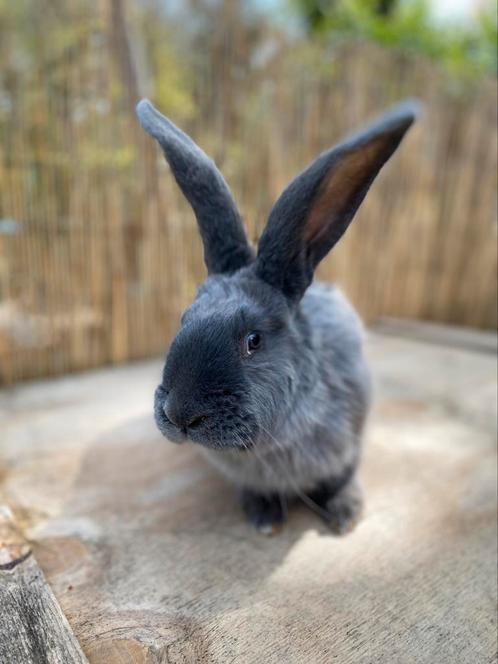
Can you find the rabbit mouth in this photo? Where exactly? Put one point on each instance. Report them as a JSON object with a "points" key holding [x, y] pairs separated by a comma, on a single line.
{"points": [[214, 435], [167, 428], [222, 425], [208, 432]]}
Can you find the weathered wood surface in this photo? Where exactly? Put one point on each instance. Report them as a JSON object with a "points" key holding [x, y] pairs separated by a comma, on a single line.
{"points": [[33, 629], [151, 561]]}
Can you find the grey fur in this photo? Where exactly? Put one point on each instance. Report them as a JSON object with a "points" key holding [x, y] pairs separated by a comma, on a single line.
{"points": [[225, 244], [315, 423], [285, 259], [287, 418]]}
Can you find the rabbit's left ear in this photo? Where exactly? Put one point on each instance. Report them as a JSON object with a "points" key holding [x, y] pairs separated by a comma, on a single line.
{"points": [[317, 207], [226, 248]]}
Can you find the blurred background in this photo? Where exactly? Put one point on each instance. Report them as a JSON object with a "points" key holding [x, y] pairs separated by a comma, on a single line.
{"points": [[99, 253]]}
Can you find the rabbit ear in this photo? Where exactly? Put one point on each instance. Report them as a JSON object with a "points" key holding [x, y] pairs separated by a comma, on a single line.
{"points": [[317, 207], [225, 244]]}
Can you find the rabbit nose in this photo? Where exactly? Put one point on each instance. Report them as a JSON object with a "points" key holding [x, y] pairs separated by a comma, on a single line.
{"points": [[180, 417]]}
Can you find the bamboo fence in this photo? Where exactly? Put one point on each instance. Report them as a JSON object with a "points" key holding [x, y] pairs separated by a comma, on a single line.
{"points": [[99, 253]]}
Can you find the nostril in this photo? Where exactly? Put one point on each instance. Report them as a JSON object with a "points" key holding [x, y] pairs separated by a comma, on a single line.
{"points": [[169, 414], [180, 419], [196, 422]]}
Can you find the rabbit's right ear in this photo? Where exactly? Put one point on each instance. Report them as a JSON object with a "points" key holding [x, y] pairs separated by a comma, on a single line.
{"points": [[226, 248], [317, 207]]}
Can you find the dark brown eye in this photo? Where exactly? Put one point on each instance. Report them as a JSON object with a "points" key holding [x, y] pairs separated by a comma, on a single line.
{"points": [[253, 342]]}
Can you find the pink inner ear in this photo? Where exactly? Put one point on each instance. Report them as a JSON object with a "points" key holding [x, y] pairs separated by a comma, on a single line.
{"points": [[339, 188]]}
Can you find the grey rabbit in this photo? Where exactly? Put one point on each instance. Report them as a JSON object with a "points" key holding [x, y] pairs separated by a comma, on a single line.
{"points": [[267, 373]]}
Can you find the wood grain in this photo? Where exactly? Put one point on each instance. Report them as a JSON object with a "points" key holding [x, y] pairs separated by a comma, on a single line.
{"points": [[147, 552], [33, 629]]}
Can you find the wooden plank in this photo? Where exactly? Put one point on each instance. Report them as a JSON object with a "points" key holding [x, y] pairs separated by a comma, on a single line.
{"points": [[441, 335], [33, 629], [147, 553]]}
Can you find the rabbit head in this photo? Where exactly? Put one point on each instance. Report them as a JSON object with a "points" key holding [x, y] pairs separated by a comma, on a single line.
{"points": [[244, 344]]}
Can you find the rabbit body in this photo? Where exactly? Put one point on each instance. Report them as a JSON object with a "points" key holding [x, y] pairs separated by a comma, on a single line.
{"points": [[267, 373], [317, 432]]}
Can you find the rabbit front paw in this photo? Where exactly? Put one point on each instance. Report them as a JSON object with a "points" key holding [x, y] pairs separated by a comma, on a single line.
{"points": [[266, 513], [341, 510], [344, 512]]}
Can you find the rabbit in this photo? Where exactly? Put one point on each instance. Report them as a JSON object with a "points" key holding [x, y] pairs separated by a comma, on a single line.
{"points": [[267, 373]]}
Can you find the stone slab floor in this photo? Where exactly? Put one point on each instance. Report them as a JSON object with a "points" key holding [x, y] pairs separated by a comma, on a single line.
{"points": [[151, 561]]}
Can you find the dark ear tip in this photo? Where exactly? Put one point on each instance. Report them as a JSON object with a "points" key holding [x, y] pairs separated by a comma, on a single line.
{"points": [[146, 114], [404, 114], [151, 119], [143, 107]]}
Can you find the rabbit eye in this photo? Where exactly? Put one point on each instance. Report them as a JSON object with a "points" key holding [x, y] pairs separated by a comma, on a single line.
{"points": [[253, 342]]}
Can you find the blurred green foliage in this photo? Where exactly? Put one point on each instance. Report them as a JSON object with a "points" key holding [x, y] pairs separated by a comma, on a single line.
{"points": [[170, 72], [68, 60], [464, 50]]}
